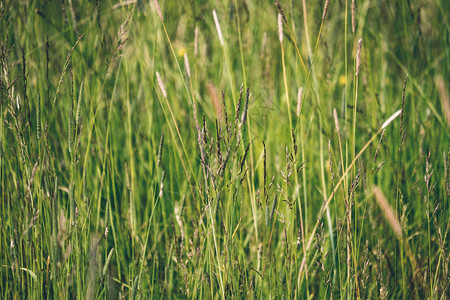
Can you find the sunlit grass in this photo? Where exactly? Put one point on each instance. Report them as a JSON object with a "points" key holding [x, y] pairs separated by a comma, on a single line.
{"points": [[224, 149]]}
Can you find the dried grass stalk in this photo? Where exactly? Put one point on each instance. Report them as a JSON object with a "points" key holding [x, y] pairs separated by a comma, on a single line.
{"points": [[443, 93], [388, 212]]}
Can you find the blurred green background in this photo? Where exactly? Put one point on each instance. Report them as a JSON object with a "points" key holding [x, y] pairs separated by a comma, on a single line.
{"points": [[91, 208]]}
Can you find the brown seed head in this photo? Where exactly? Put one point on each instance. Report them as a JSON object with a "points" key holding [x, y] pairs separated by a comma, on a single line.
{"points": [[158, 10], [358, 57], [325, 9], [280, 10], [388, 212]]}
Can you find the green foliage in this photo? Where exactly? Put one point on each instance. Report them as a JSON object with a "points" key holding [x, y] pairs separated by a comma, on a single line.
{"points": [[210, 180]]}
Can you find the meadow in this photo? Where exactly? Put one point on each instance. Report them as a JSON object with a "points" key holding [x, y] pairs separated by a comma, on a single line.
{"points": [[224, 149]]}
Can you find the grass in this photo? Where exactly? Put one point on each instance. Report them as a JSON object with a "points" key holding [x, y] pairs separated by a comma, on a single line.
{"points": [[163, 149]]}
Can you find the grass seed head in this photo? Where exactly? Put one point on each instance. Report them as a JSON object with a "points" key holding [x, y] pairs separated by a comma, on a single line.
{"points": [[281, 11], [38, 117], [106, 219], [186, 64], [160, 149], [325, 9], [388, 212], [445, 99], [219, 30], [299, 101], [336, 119], [244, 112], [158, 10], [161, 85], [353, 16], [280, 28], [196, 41], [161, 186], [391, 118], [70, 128], [78, 113], [358, 57], [274, 206]]}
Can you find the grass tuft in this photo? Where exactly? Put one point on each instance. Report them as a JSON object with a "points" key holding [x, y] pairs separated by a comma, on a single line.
{"points": [[171, 149]]}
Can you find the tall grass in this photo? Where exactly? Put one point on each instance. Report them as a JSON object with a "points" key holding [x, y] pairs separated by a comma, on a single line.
{"points": [[125, 175]]}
